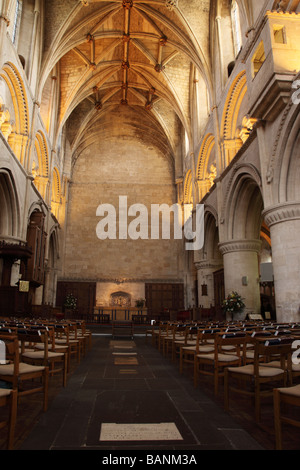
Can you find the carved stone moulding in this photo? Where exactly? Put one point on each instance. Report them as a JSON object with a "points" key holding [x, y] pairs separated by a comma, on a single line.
{"points": [[282, 213], [120, 299], [240, 245]]}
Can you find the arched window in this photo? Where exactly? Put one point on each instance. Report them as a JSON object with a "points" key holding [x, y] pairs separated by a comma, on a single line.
{"points": [[236, 27], [15, 20]]}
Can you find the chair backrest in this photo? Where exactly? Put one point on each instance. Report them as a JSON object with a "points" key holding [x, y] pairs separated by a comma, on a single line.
{"points": [[237, 339], [11, 350], [206, 335], [281, 348], [32, 336]]}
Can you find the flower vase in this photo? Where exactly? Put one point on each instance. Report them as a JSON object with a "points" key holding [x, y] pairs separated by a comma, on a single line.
{"points": [[239, 315]]}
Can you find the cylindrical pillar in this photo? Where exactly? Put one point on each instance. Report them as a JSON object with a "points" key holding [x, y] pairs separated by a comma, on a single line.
{"points": [[284, 223], [241, 271]]}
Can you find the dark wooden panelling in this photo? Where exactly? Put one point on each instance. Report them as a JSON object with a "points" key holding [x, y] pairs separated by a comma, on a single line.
{"points": [[161, 297], [85, 293]]}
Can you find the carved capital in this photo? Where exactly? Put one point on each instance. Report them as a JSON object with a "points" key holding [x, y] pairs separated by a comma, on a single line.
{"points": [[282, 213], [240, 245], [211, 264]]}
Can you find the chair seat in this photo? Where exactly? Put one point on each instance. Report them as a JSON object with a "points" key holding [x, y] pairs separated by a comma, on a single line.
{"points": [[228, 348], [65, 341], [206, 349], [221, 357], [4, 392], [295, 367], [40, 355], [263, 371], [23, 369], [292, 391], [189, 348], [42, 347]]}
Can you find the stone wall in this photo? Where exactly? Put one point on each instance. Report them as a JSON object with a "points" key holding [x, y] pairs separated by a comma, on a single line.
{"points": [[112, 167]]}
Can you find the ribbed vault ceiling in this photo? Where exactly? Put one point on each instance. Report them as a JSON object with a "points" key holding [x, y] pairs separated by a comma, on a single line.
{"points": [[123, 53]]}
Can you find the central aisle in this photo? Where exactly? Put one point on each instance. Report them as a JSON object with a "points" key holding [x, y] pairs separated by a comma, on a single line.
{"points": [[125, 396]]}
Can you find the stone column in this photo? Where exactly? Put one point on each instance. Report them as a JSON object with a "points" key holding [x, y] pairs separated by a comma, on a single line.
{"points": [[241, 271], [284, 223]]}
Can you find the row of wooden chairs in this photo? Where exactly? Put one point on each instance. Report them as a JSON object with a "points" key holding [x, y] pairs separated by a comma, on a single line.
{"points": [[254, 359], [31, 352]]}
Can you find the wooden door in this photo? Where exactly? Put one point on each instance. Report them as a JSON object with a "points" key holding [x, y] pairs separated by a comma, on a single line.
{"points": [[219, 288]]}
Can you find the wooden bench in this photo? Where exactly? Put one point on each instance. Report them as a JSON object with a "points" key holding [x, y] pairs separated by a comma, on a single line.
{"points": [[120, 328]]}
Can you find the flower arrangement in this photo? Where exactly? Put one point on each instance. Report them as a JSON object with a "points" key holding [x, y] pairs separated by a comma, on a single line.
{"points": [[140, 303], [233, 303], [70, 302]]}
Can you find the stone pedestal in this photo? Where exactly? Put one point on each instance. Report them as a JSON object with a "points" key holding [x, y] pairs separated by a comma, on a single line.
{"points": [[241, 271], [284, 223]]}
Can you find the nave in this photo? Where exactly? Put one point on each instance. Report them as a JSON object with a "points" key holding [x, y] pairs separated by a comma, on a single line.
{"points": [[129, 381]]}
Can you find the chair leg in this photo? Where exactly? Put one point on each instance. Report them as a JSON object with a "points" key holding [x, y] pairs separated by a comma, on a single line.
{"points": [[12, 419], [226, 390], [65, 370], [216, 381], [277, 420], [46, 384], [195, 372], [257, 402]]}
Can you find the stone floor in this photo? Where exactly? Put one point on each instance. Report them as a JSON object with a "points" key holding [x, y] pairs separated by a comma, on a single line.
{"points": [[128, 382], [125, 396]]}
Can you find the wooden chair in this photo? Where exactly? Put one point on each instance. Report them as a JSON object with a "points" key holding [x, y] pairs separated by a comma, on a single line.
{"points": [[22, 376], [203, 343], [9, 399], [62, 338], [47, 356], [86, 334], [289, 396], [165, 334], [258, 375], [214, 363], [176, 334]]}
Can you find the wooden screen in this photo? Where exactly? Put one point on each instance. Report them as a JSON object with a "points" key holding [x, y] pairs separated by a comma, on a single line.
{"points": [[161, 297], [84, 292]]}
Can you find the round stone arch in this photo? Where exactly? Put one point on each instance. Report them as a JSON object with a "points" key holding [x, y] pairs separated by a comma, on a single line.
{"points": [[53, 255], [9, 206], [243, 210], [287, 172], [243, 204], [188, 188], [209, 261], [211, 234], [283, 217]]}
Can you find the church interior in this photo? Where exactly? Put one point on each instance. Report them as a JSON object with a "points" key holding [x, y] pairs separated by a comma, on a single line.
{"points": [[149, 221]]}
